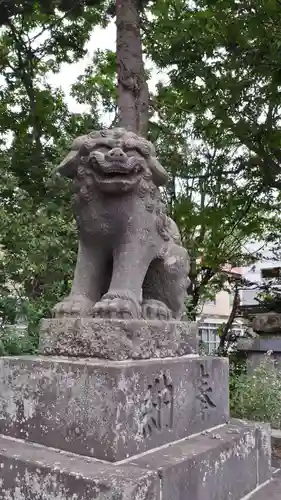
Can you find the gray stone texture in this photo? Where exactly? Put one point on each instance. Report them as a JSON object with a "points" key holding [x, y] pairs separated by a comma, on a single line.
{"points": [[32, 472], [117, 339], [276, 448], [226, 463], [267, 323], [131, 263], [111, 410], [271, 491], [256, 349], [261, 344]]}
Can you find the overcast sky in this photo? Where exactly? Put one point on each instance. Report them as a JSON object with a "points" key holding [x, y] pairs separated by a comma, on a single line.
{"points": [[100, 39]]}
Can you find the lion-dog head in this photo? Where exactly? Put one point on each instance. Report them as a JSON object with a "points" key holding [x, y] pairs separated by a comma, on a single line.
{"points": [[116, 161]]}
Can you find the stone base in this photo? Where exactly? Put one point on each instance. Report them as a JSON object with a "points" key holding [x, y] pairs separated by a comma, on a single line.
{"points": [[32, 472], [111, 409], [226, 463], [117, 339], [270, 491]]}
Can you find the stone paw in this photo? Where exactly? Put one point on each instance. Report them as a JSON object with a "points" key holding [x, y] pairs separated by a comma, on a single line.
{"points": [[114, 306], [155, 309], [74, 305]]}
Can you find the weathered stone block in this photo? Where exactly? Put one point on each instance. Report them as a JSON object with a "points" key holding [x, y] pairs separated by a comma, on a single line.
{"points": [[261, 344], [276, 448], [117, 339], [32, 472], [264, 446], [267, 323], [226, 463], [111, 410], [256, 348]]}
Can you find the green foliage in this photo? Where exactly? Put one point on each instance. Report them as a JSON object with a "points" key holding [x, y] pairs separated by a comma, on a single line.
{"points": [[14, 342], [216, 207], [71, 9], [224, 66], [257, 396], [220, 112], [38, 235], [98, 85]]}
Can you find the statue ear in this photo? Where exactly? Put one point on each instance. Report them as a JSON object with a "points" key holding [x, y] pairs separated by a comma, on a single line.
{"points": [[68, 166], [159, 174]]}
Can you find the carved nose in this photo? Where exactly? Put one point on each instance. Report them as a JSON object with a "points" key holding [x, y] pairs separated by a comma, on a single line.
{"points": [[116, 154]]}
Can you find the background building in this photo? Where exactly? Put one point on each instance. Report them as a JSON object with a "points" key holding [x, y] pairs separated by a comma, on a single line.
{"points": [[214, 314]]}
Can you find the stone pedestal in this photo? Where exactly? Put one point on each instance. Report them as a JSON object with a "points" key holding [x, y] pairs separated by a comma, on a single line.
{"points": [[32, 472], [225, 463], [117, 339], [111, 410], [142, 429], [221, 464], [256, 348]]}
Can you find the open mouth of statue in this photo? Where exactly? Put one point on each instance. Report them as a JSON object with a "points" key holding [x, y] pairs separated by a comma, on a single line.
{"points": [[113, 174], [117, 173]]}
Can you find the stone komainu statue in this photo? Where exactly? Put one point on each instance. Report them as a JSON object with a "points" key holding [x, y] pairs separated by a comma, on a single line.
{"points": [[130, 263]]}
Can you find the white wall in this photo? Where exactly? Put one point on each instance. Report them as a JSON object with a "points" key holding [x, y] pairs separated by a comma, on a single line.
{"points": [[253, 273], [220, 307]]}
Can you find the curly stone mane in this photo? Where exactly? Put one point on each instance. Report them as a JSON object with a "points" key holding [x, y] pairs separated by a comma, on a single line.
{"points": [[77, 165]]}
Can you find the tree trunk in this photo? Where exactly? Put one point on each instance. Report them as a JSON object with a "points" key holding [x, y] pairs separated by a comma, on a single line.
{"points": [[132, 85], [229, 323]]}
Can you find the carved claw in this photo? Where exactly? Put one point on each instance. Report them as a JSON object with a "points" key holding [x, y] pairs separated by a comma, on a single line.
{"points": [[116, 306], [74, 305], [155, 309]]}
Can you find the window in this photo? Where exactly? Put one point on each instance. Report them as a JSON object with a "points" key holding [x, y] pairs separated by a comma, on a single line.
{"points": [[271, 273], [208, 335]]}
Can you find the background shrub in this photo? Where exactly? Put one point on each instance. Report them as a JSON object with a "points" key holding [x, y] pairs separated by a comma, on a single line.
{"points": [[257, 396]]}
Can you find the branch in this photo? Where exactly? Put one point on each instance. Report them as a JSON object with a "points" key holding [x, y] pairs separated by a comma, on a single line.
{"points": [[56, 23], [228, 325], [209, 274]]}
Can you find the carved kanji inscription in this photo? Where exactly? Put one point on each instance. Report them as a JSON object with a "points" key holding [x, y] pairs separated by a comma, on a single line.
{"points": [[205, 392], [158, 406]]}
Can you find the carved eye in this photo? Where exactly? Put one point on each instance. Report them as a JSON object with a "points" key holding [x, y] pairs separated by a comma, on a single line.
{"points": [[133, 151], [141, 147], [129, 151], [102, 148], [130, 144]]}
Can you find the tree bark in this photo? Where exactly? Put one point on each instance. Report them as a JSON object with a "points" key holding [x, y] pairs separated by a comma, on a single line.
{"points": [[229, 323], [132, 85]]}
